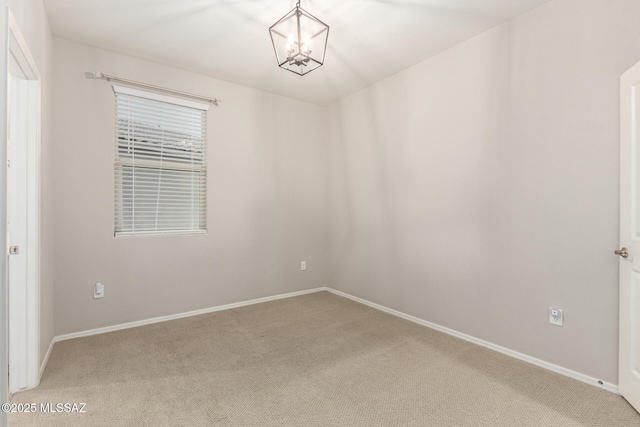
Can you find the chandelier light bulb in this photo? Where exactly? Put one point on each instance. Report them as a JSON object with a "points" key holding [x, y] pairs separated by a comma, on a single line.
{"points": [[307, 46]]}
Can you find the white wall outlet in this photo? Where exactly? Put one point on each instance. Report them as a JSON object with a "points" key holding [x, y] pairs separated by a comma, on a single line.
{"points": [[303, 265], [555, 316], [98, 290]]}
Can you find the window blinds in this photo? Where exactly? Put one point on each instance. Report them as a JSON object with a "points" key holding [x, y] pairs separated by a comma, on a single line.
{"points": [[160, 164]]}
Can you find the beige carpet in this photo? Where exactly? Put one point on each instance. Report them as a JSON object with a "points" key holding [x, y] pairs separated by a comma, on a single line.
{"points": [[314, 360]]}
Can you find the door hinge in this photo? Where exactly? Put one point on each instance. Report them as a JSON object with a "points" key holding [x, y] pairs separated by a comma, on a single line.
{"points": [[14, 250]]}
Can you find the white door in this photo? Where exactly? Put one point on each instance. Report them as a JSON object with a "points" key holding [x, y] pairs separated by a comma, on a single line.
{"points": [[629, 251], [17, 229]]}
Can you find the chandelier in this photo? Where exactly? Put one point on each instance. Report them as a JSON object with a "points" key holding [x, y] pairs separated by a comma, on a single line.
{"points": [[299, 40]]}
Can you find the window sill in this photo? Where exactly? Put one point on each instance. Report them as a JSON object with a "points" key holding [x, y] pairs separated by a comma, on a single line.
{"points": [[127, 235]]}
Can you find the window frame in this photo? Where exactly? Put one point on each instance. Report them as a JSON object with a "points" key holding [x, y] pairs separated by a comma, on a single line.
{"points": [[157, 165]]}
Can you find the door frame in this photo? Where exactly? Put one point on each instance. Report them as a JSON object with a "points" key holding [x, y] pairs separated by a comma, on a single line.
{"points": [[28, 354]]}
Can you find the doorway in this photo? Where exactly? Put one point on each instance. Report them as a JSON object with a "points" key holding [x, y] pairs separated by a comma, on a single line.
{"points": [[23, 212]]}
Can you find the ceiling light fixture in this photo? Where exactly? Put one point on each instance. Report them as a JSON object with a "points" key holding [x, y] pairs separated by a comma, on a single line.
{"points": [[300, 41]]}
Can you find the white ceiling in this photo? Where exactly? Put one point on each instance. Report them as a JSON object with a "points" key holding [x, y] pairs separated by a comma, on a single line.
{"points": [[229, 39]]}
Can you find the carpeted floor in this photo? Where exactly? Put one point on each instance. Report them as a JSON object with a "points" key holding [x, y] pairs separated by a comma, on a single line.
{"points": [[314, 360]]}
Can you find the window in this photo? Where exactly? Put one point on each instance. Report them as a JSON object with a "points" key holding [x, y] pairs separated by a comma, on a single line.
{"points": [[160, 164]]}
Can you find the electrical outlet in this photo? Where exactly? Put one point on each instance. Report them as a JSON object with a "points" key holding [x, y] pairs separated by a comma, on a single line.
{"points": [[555, 316], [303, 265], [98, 290]]}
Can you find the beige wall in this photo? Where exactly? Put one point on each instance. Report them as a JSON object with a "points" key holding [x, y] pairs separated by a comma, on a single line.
{"points": [[480, 187], [266, 198], [30, 15]]}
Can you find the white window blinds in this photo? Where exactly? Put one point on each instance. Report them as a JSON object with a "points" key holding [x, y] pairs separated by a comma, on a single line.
{"points": [[160, 164]]}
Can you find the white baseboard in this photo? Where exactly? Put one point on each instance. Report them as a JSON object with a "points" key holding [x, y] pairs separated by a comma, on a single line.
{"points": [[182, 315], [521, 356], [46, 358]]}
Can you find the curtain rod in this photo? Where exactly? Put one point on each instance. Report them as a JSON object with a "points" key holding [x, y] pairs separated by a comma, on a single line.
{"points": [[100, 76]]}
